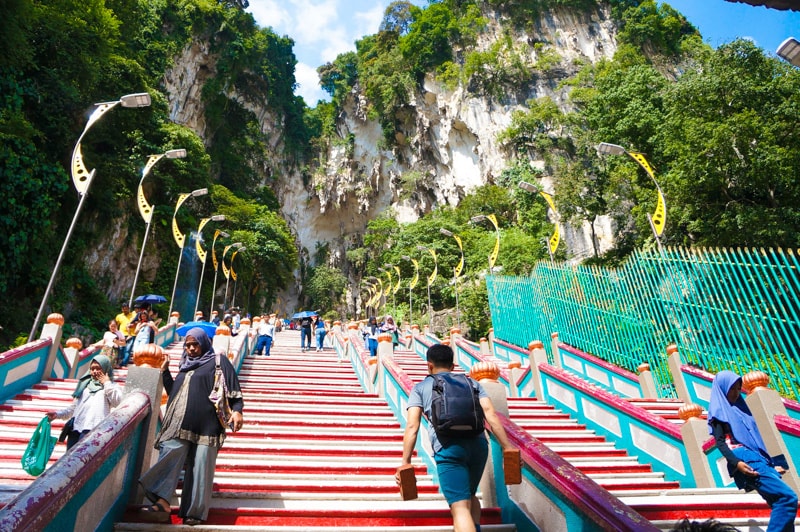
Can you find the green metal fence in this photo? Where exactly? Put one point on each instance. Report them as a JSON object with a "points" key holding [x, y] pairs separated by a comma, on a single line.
{"points": [[725, 309]]}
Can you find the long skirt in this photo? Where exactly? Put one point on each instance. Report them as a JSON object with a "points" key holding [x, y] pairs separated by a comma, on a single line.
{"points": [[161, 480]]}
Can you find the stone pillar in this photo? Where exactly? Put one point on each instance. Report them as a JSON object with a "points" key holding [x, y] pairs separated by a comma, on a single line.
{"points": [[554, 341], [174, 318], [765, 404], [646, 381], [221, 342], [674, 363], [484, 343], [694, 433], [455, 334], [52, 329], [145, 377], [72, 352], [514, 372], [537, 356], [385, 348], [491, 336], [487, 374]]}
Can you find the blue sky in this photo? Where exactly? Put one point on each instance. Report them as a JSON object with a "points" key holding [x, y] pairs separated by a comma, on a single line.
{"points": [[322, 29]]}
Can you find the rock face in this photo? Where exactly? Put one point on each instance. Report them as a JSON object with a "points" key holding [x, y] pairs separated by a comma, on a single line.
{"points": [[446, 146]]}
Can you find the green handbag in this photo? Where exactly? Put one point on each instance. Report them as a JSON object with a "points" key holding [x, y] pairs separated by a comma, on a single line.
{"points": [[39, 449]]}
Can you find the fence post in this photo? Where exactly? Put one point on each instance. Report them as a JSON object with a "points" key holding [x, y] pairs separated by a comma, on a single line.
{"points": [[694, 433], [765, 404], [537, 356], [554, 341], [487, 373], [646, 381], [52, 329], [674, 363]]}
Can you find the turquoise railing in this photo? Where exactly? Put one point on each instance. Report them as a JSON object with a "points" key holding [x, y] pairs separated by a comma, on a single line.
{"points": [[726, 309]]}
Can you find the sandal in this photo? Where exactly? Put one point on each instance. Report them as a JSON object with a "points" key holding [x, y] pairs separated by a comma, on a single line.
{"points": [[155, 513], [191, 521]]}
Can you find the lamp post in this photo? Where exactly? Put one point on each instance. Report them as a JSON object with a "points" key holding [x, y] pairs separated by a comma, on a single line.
{"points": [[397, 285], [223, 234], [659, 217], [390, 284], [226, 272], [431, 279], [146, 210], [492, 218], [233, 274], [456, 270], [411, 286], [552, 244], [180, 238], [82, 179], [201, 254], [790, 51]]}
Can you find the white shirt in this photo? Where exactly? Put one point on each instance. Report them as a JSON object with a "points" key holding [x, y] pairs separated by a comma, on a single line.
{"points": [[266, 328], [92, 408]]}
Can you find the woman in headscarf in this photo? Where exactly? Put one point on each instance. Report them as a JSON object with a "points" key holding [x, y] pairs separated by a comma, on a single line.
{"points": [[739, 440], [371, 331], [95, 395], [389, 326], [191, 432]]}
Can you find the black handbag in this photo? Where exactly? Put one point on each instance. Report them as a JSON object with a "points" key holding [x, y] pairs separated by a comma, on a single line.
{"points": [[68, 426]]}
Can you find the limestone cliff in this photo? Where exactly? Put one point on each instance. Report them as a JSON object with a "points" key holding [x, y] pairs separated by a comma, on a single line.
{"points": [[448, 139]]}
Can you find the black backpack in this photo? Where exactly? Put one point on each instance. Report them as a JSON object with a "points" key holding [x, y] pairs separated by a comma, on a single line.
{"points": [[456, 411]]}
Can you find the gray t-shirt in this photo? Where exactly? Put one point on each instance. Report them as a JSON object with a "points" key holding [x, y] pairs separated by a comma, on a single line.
{"points": [[422, 396]]}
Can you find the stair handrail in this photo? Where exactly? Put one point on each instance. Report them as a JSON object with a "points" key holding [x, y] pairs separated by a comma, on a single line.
{"points": [[106, 452], [597, 504]]}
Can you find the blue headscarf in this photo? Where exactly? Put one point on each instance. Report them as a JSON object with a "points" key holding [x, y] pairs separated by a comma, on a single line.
{"points": [[737, 415], [188, 363]]}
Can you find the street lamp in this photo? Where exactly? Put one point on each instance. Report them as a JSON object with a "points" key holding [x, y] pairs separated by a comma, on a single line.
{"points": [[790, 51], [226, 272], [180, 238], [201, 254], [146, 210], [82, 179], [456, 270], [659, 217], [397, 285], [223, 234], [389, 284], [555, 237], [431, 279], [411, 286], [233, 274], [496, 251]]}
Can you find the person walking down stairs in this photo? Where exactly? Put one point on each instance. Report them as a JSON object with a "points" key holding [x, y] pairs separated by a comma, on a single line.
{"points": [[191, 432]]}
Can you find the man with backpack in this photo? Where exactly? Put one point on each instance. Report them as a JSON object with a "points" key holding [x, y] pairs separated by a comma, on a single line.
{"points": [[455, 407]]}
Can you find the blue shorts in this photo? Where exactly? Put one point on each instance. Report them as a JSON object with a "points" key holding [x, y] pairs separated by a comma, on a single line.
{"points": [[460, 467]]}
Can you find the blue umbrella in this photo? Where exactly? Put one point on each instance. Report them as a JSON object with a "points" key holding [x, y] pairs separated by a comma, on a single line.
{"points": [[207, 326], [151, 299], [303, 314]]}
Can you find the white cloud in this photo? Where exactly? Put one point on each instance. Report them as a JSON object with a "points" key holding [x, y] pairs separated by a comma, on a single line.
{"points": [[308, 84], [270, 13]]}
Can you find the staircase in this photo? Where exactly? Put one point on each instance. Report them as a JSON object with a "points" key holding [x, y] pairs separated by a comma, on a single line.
{"points": [[316, 453], [661, 501], [19, 417]]}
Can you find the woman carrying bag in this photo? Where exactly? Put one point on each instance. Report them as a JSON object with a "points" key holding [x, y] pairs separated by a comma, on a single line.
{"points": [[191, 432], [95, 396]]}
